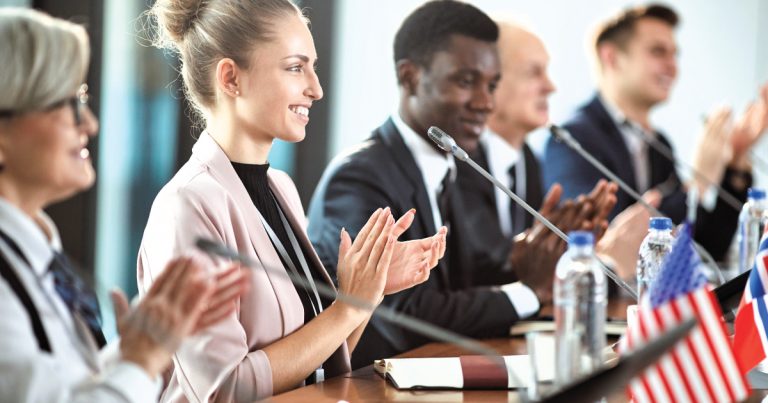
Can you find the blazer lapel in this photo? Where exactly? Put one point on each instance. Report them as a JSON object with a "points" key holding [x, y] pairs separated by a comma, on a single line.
{"points": [[298, 228], [413, 188], [618, 151], [534, 193], [338, 362], [481, 186], [208, 151]]}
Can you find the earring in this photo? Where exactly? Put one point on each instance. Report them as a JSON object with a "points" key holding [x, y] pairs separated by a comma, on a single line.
{"points": [[237, 93]]}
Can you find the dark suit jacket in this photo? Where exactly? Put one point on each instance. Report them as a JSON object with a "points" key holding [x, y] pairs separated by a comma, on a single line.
{"points": [[594, 128], [382, 172], [481, 215]]}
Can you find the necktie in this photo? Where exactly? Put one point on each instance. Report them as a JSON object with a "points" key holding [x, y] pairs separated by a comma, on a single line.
{"points": [[444, 199], [444, 205], [516, 213], [78, 297]]}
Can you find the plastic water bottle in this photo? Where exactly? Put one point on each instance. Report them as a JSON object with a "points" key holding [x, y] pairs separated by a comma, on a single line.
{"points": [[751, 223], [656, 245], [580, 300]]}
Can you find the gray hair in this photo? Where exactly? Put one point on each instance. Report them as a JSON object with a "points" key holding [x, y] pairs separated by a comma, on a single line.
{"points": [[45, 59]]}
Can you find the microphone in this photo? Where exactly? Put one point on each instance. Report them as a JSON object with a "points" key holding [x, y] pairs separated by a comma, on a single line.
{"points": [[664, 150], [446, 143], [566, 137], [421, 327]]}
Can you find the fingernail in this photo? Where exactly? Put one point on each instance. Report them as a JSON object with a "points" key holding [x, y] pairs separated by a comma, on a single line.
{"points": [[412, 211], [341, 234]]}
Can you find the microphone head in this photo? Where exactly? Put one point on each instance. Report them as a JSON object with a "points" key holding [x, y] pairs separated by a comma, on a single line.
{"points": [[214, 248], [441, 138], [446, 143], [560, 134]]}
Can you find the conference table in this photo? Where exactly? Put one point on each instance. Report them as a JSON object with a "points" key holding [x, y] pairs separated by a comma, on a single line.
{"points": [[365, 385]]}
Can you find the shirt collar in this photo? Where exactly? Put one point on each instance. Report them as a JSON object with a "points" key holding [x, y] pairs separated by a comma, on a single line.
{"points": [[620, 119], [501, 155], [29, 237], [433, 164]]}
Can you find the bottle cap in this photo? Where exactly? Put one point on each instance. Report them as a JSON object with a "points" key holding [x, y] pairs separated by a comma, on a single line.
{"points": [[755, 193], [661, 223], [581, 238]]}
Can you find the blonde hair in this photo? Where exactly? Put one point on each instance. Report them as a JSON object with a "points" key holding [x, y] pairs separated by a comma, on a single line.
{"points": [[206, 31], [45, 59]]}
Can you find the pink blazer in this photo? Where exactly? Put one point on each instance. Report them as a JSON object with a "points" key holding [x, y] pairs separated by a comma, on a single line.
{"points": [[206, 198]]}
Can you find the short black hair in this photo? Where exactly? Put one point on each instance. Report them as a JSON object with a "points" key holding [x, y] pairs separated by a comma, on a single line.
{"points": [[429, 28], [619, 29]]}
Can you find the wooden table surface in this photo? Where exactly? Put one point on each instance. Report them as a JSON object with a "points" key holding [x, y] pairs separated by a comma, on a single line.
{"points": [[364, 385]]}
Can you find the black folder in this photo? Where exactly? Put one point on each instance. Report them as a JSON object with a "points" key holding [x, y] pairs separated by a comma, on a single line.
{"points": [[729, 293]]}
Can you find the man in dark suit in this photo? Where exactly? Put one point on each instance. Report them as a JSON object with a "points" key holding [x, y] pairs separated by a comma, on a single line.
{"points": [[637, 55], [522, 106], [447, 69]]}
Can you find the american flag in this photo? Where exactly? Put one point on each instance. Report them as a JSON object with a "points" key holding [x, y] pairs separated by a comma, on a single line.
{"points": [[700, 368], [751, 327]]}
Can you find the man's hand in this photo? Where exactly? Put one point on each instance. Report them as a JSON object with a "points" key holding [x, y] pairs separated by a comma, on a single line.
{"points": [[413, 260], [535, 252], [621, 242], [714, 150], [750, 127]]}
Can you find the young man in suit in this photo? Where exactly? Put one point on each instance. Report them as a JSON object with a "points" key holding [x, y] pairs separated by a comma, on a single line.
{"points": [[637, 65], [522, 106], [447, 68]]}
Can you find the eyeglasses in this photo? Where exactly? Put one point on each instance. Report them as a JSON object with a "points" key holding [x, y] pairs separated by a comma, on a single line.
{"points": [[78, 103]]}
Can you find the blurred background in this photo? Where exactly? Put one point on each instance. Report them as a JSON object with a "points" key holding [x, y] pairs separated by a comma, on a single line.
{"points": [[147, 131]]}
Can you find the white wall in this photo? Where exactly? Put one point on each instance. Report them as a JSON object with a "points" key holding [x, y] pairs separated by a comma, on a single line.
{"points": [[720, 60], [15, 3]]}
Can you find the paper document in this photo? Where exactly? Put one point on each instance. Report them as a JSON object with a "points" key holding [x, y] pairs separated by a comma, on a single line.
{"points": [[448, 372]]}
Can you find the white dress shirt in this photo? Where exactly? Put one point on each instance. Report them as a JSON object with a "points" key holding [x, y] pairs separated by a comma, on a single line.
{"points": [[434, 165], [74, 371], [501, 157]]}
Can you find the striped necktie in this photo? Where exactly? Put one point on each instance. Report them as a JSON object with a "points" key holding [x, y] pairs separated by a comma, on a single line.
{"points": [[78, 297]]}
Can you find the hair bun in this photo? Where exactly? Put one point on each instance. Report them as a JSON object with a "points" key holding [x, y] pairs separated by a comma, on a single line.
{"points": [[174, 18]]}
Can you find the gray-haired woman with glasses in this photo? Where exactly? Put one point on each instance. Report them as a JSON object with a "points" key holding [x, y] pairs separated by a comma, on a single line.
{"points": [[50, 334]]}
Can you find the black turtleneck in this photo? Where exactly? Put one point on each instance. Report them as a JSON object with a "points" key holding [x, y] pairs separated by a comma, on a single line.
{"points": [[254, 178]]}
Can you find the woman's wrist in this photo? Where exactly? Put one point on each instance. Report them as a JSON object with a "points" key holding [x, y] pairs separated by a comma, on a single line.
{"points": [[348, 312], [152, 361], [144, 363]]}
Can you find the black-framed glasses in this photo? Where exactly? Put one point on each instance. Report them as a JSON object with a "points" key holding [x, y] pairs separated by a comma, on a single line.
{"points": [[78, 103]]}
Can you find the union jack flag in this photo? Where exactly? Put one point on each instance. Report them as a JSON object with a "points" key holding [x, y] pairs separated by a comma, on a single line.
{"points": [[700, 368], [750, 340]]}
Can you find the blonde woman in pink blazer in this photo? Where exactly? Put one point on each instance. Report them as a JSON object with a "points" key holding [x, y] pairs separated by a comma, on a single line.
{"points": [[247, 67]]}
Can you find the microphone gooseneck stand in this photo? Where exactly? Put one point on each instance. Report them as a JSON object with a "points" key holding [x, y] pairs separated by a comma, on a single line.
{"points": [[564, 136], [446, 142]]}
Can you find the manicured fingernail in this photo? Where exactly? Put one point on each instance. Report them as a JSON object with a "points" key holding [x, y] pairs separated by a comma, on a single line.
{"points": [[412, 211]]}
